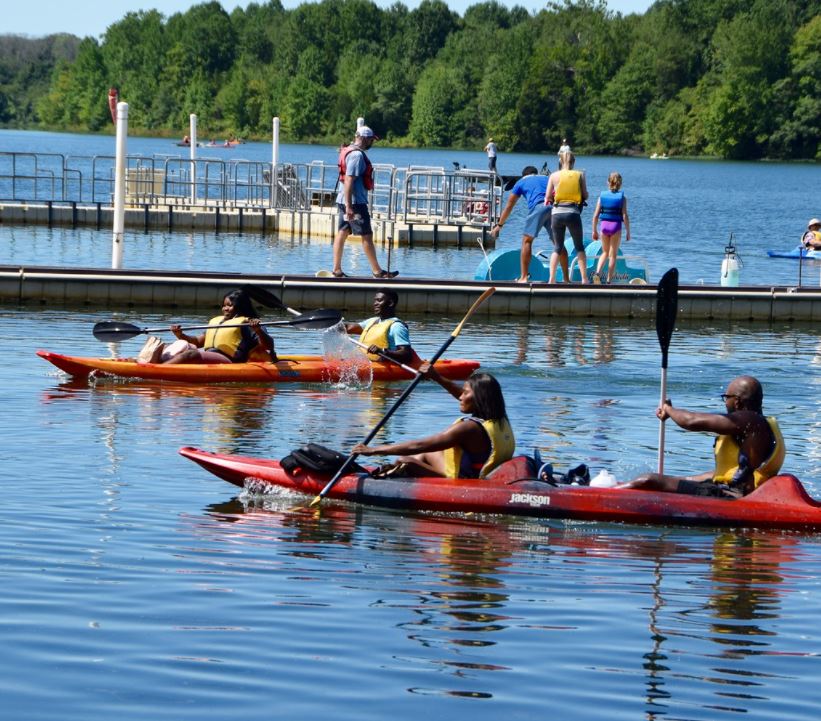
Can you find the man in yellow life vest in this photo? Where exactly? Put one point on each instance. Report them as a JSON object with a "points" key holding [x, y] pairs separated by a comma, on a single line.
{"points": [[749, 449], [384, 331], [812, 238]]}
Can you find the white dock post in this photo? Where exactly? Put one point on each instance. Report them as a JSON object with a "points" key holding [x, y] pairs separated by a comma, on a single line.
{"points": [[360, 122], [192, 134], [274, 159], [119, 187]]}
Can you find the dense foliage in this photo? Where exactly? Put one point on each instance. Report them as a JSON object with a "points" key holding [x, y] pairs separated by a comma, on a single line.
{"points": [[732, 78]]}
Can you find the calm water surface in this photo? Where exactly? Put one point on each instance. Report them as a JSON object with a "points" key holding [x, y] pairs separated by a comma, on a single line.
{"points": [[136, 585]]}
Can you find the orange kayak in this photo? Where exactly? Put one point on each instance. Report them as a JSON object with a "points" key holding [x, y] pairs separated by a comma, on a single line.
{"points": [[289, 369]]}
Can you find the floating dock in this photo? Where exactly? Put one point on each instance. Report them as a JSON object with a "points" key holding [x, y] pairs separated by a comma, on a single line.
{"points": [[163, 290]]}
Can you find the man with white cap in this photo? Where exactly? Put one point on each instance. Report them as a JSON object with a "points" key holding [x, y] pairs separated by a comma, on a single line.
{"points": [[356, 177], [491, 151], [812, 238]]}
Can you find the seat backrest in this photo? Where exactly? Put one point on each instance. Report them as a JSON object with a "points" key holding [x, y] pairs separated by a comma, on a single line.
{"points": [[515, 469]]}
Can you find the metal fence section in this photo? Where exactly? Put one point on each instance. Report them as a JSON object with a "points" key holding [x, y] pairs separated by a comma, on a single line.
{"points": [[411, 195]]}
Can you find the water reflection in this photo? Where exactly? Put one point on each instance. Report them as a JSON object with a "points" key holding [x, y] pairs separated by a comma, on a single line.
{"points": [[228, 416], [465, 580], [557, 344]]}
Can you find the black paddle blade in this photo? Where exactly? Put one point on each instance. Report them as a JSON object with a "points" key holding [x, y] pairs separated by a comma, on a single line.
{"points": [[264, 297], [110, 331], [666, 310], [315, 320]]}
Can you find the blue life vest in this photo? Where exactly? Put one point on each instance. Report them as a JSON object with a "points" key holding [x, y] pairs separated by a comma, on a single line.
{"points": [[611, 204]]}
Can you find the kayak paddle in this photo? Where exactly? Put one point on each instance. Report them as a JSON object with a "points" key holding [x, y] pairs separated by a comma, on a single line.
{"points": [[112, 330], [666, 310], [266, 298], [399, 401]]}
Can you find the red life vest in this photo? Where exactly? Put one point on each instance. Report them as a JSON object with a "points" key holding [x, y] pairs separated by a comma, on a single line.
{"points": [[367, 176]]}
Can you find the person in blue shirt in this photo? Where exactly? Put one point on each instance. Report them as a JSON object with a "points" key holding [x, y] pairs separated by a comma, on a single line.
{"points": [[384, 332], [533, 187], [356, 179]]}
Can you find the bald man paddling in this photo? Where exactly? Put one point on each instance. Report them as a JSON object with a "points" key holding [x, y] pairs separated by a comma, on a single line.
{"points": [[749, 449]]}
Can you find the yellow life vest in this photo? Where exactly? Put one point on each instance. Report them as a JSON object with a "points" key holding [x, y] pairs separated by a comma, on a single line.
{"points": [[225, 340], [727, 450], [569, 189], [377, 334], [502, 447]]}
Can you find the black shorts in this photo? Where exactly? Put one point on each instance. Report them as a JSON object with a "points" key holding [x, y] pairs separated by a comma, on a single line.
{"points": [[707, 488]]}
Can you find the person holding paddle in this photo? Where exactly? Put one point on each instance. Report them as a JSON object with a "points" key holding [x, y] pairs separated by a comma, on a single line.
{"points": [[384, 334], [469, 448], [234, 344], [749, 449]]}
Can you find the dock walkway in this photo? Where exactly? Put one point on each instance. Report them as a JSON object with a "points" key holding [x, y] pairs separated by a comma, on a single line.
{"points": [[124, 289]]}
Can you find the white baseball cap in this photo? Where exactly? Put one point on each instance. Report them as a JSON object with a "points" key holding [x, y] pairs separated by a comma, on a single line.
{"points": [[363, 131], [814, 221]]}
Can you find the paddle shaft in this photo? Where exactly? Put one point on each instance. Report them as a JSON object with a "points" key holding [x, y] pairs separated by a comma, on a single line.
{"points": [[662, 400], [386, 357], [415, 382]]}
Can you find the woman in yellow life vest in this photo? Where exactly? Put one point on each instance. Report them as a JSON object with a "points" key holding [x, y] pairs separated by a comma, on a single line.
{"points": [[812, 238], [567, 193], [471, 447], [749, 449], [235, 344], [384, 331]]}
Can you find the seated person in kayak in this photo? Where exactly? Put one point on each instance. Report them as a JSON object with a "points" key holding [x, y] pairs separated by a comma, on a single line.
{"points": [[235, 343], [812, 237], [469, 448], [749, 449], [384, 331]]}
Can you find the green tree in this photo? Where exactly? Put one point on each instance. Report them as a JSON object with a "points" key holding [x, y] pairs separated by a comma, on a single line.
{"points": [[435, 103]]}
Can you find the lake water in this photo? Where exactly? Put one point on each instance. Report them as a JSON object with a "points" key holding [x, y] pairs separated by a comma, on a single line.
{"points": [[135, 585]]}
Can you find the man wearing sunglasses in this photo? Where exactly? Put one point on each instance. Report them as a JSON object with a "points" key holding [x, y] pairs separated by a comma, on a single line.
{"points": [[748, 451]]}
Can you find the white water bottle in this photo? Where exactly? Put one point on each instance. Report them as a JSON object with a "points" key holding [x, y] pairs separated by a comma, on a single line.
{"points": [[730, 266], [604, 479]]}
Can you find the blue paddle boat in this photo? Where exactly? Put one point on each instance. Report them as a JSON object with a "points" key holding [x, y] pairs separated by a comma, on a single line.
{"points": [[504, 264]]}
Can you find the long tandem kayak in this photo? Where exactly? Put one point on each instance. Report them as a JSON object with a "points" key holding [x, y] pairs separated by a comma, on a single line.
{"points": [[289, 368], [513, 489]]}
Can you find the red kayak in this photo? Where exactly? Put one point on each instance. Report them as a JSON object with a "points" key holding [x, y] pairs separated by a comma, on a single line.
{"points": [[513, 489], [289, 368]]}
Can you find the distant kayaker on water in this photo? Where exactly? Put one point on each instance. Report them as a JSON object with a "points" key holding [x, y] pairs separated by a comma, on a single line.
{"points": [[235, 344], [384, 331], [469, 448], [812, 237], [749, 449]]}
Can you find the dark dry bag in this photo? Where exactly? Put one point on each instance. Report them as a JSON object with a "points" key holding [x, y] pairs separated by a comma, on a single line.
{"points": [[315, 458]]}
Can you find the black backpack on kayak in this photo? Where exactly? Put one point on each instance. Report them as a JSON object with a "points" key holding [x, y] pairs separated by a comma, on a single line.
{"points": [[315, 458]]}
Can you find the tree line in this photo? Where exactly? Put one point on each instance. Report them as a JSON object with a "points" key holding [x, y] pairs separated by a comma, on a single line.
{"points": [[736, 79]]}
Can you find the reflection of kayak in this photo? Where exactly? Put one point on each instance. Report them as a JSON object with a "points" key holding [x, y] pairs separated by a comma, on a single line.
{"points": [[781, 502], [290, 368], [797, 252]]}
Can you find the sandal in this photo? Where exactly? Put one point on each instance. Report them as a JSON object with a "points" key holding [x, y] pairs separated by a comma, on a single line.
{"points": [[339, 274], [386, 274]]}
